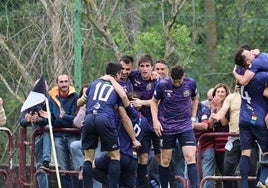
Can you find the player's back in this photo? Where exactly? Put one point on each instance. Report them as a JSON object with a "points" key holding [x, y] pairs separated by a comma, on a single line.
{"points": [[254, 105], [260, 63], [102, 98]]}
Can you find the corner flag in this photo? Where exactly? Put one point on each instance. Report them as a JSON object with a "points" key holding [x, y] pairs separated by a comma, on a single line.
{"points": [[37, 95]]}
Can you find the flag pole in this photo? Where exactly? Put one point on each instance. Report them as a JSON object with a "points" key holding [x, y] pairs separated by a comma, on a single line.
{"points": [[53, 143]]}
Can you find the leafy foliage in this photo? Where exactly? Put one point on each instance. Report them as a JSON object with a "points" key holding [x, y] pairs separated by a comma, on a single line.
{"points": [[27, 41]]}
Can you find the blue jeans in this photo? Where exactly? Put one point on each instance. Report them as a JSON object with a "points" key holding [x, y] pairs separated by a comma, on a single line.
{"points": [[77, 154], [62, 144], [42, 153], [208, 166]]}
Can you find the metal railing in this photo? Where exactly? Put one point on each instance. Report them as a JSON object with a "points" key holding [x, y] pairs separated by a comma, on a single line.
{"points": [[34, 173], [23, 182], [8, 174], [199, 161]]}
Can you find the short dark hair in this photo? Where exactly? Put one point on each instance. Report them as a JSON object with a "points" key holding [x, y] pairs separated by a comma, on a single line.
{"points": [[162, 61], [133, 94], [177, 72], [127, 59], [239, 59], [113, 68], [246, 47], [146, 58]]}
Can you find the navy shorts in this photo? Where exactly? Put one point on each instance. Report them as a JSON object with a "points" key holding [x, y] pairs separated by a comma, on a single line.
{"points": [[186, 138], [96, 126], [148, 139], [250, 133]]}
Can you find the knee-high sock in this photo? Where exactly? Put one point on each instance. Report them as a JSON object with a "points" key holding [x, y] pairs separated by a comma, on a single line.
{"points": [[164, 176], [114, 173], [142, 175], [87, 175], [192, 174], [100, 176], [244, 170]]}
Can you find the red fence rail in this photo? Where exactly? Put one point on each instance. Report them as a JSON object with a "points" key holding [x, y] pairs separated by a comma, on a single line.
{"points": [[23, 182], [33, 173], [9, 172]]}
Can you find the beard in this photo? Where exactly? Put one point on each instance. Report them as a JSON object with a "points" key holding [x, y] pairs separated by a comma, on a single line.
{"points": [[64, 89]]}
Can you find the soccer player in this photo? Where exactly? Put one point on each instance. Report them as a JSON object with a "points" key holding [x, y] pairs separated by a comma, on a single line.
{"points": [[161, 67], [259, 63], [252, 113], [144, 85], [101, 97], [127, 65], [174, 102], [129, 158]]}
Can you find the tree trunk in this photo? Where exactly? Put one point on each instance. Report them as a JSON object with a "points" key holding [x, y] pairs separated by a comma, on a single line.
{"points": [[211, 31]]}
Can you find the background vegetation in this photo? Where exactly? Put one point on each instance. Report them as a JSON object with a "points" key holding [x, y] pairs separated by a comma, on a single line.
{"points": [[42, 37]]}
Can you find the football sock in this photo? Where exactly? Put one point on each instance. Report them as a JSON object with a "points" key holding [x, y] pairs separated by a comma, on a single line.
{"points": [[114, 173], [164, 176], [192, 174], [244, 170], [87, 174], [142, 175]]}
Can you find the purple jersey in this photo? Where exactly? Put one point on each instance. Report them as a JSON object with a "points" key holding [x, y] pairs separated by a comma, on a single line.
{"points": [[102, 99], [174, 110], [140, 126], [145, 88], [126, 84], [260, 63], [254, 105]]}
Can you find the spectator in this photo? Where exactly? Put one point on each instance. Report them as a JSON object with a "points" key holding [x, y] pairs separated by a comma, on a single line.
{"points": [[232, 155], [63, 106], [207, 153], [76, 151], [209, 98], [36, 117], [220, 92], [2, 114]]}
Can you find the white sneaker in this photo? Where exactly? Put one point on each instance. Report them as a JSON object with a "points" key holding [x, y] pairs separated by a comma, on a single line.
{"points": [[259, 184]]}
